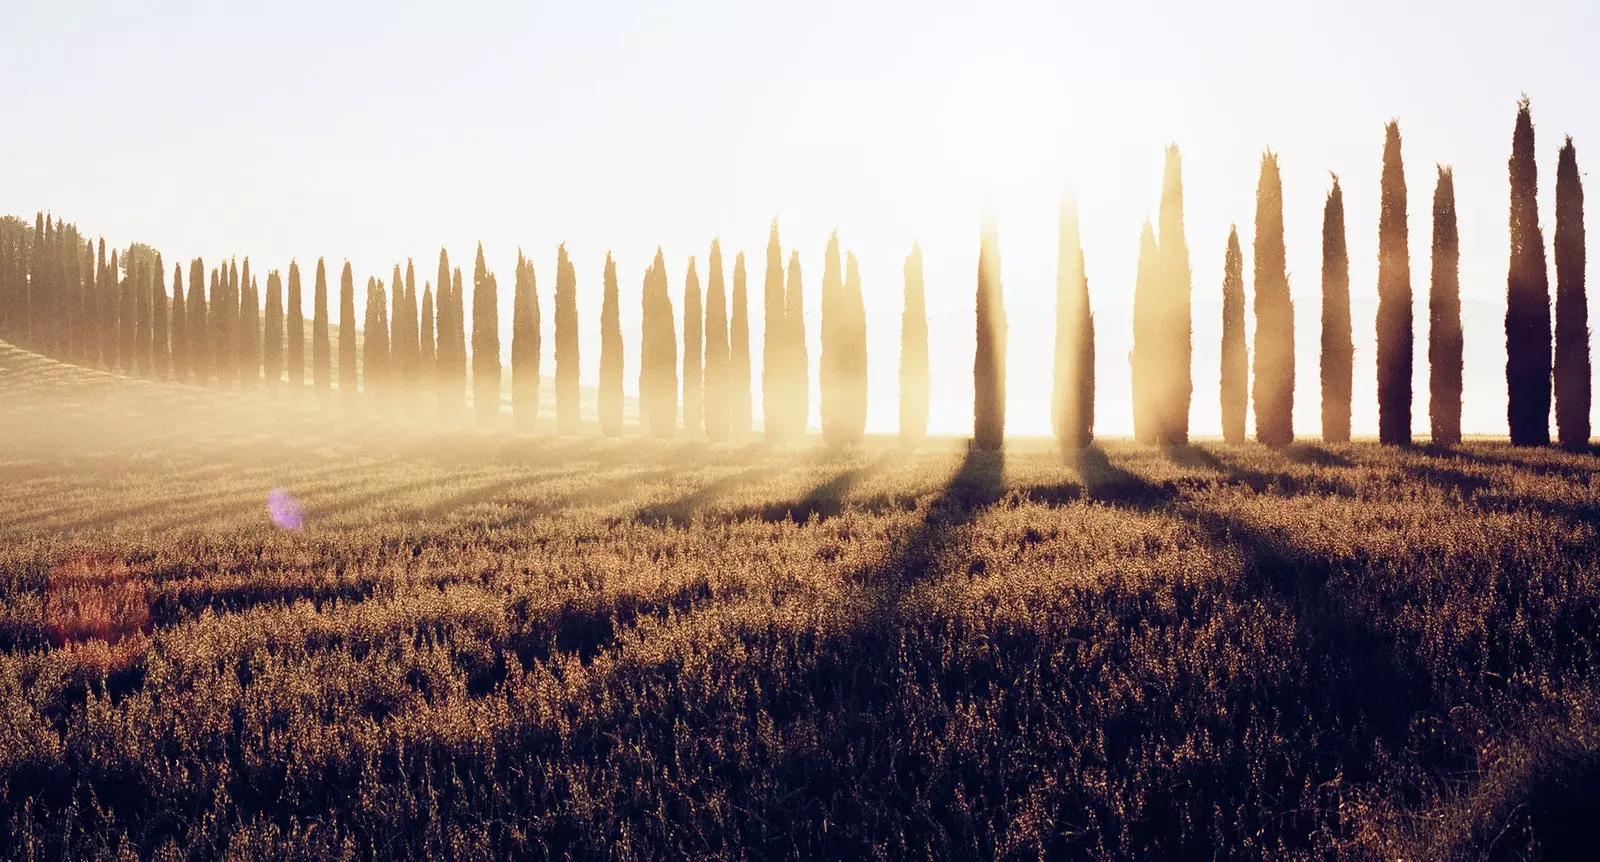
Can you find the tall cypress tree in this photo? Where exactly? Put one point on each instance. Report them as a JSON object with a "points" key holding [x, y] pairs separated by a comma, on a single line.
{"points": [[250, 326], [1527, 297], [321, 352], [1444, 317], [989, 361], [716, 367], [1235, 356], [776, 401], [855, 370], [294, 332], [233, 294], [693, 354], [160, 352], [128, 315], [456, 385], [348, 383], [375, 346], [798, 367], [444, 375], [1395, 345], [658, 375], [914, 391], [1072, 401], [1338, 348], [485, 343], [1142, 359], [220, 322], [197, 323], [426, 358], [1274, 378], [740, 419], [1172, 308], [180, 327], [524, 348], [106, 287], [1572, 307], [610, 394], [399, 362], [272, 340], [834, 334], [566, 326]]}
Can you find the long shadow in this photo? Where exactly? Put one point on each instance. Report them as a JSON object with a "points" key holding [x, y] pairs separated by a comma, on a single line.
{"points": [[825, 500], [680, 513], [1489, 455], [1107, 483], [1311, 453]]}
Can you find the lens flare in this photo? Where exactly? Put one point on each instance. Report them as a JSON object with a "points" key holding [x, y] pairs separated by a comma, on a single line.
{"points": [[286, 511]]}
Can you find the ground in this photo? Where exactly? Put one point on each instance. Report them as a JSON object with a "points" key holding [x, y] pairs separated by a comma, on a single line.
{"points": [[480, 644]]}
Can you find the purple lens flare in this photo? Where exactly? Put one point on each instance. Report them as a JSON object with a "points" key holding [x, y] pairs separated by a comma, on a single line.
{"points": [[286, 511]]}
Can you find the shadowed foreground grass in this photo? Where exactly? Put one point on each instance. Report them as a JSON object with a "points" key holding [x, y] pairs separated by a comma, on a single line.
{"points": [[483, 646]]}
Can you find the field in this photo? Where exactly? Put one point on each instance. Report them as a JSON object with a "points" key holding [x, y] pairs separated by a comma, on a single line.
{"points": [[485, 645]]}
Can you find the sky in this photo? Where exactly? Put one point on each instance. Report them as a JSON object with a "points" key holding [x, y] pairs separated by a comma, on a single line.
{"points": [[377, 132]]}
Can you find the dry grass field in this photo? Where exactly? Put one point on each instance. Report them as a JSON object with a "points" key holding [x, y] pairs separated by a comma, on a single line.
{"points": [[482, 645]]}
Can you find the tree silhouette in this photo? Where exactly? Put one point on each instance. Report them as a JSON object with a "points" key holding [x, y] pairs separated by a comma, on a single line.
{"points": [[446, 370], [914, 391], [485, 343], [797, 368], [180, 328], [693, 354], [610, 393], [1527, 297], [1395, 345], [195, 323], [716, 332], [250, 329], [1273, 391], [1338, 347], [456, 371], [1235, 355], [230, 351], [1141, 359], [1072, 401], [127, 312], [272, 340], [567, 417], [1174, 377], [320, 352], [524, 347], [989, 361], [835, 335], [1572, 307], [403, 334], [347, 338], [1444, 318], [375, 346], [294, 332], [160, 351], [739, 408], [855, 343], [775, 399], [426, 358], [658, 354]]}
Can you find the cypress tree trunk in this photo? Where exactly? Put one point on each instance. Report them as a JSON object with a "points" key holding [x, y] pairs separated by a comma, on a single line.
{"points": [[321, 359], [989, 363], [347, 338], [1072, 401], [567, 416], [294, 331], [524, 349], [1235, 356], [716, 368], [1142, 358], [486, 343], [180, 327], [693, 347], [1444, 318], [776, 401], [1338, 348], [1395, 345], [1527, 298], [1274, 378], [856, 352], [1572, 380], [426, 359], [833, 361], [798, 367], [1174, 342], [195, 321], [159, 348], [739, 408], [914, 391], [272, 341], [610, 394]]}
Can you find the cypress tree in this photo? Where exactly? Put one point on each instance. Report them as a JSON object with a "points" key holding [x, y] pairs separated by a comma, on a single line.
{"points": [[798, 369], [141, 323], [233, 291], [914, 391], [485, 343], [321, 350], [375, 360], [740, 419], [716, 333], [1395, 345], [106, 284], [1235, 356], [835, 330], [457, 368], [398, 362], [776, 401], [524, 348], [294, 332], [444, 361], [412, 334], [1143, 357], [1072, 401], [658, 363], [610, 394], [250, 348], [348, 382], [272, 340], [159, 349], [989, 362], [855, 370], [220, 323], [1273, 391], [1172, 307], [1527, 297], [1572, 307], [693, 353], [1338, 348], [426, 360], [566, 326], [127, 314], [1444, 317], [195, 321], [180, 328]]}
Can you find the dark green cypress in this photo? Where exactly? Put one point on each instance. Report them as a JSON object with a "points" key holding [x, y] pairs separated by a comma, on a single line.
{"points": [[716, 364], [426, 358], [1528, 346], [610, 394], [348, 371], [740, 419], [1235, 355], [272, 339], [197, 324], [180, 327], [321, 349], [1273, 390], [449, 397], [989, 361], [524, 347], [1445, 341], [294, 322], [1572, 380], [914, 387], [485, 343], [1395, 338], [127, 317], [1338, 348], [160, 350], [457, 383], [375, 346], [693, 354], [566, 326], [250, 331], [142, 340]]}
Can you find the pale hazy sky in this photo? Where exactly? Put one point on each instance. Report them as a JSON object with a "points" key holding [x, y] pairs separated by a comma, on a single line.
{"points": [[377, 131]]}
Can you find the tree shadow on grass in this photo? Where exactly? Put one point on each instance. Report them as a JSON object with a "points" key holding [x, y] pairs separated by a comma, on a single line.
{"points": [[1314, 454], [824, 501]]}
